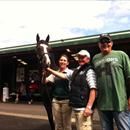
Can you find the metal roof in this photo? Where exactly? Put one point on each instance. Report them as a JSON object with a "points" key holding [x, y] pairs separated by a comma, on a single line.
{"points": [[67, 42]]}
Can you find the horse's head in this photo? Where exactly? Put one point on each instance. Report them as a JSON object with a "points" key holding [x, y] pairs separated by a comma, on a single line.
{"points": [[42, 50]]}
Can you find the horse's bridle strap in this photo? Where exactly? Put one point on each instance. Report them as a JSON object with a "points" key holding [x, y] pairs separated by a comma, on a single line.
{"points": [[45, 53]]}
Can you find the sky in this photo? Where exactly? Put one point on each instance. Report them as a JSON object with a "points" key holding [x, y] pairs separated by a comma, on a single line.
{"points": [[21, 20]]}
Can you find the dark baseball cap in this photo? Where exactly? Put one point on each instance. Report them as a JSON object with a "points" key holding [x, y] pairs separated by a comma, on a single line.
{"points": [[105, 38]]}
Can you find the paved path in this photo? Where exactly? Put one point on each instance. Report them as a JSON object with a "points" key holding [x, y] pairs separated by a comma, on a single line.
{"points": [[29, 117], [29, 111]]}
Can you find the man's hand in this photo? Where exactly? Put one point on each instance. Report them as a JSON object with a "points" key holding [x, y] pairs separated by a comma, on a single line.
{"points": [[87, 112], [129, 103]]}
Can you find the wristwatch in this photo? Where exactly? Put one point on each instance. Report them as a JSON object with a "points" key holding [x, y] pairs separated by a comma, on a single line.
{"points": [[89, 107]]}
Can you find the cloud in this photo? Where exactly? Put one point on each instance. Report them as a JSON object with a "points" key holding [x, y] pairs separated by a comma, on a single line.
{"points": [[20, 21]]}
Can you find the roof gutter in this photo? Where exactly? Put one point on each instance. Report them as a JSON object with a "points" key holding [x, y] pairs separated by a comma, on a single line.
{"points": [[66, 42]]}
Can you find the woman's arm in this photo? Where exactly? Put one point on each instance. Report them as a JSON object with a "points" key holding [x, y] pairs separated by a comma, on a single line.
{"points": [[56, 73]]}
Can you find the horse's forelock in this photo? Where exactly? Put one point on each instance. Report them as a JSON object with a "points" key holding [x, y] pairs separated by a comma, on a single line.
{"points": [[43, 42]]}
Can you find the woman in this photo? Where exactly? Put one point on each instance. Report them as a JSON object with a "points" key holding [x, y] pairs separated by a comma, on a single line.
{"points": [[60, 103]]}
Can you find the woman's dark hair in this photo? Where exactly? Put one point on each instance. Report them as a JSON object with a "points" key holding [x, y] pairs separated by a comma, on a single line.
{"points": [[64, 55]]}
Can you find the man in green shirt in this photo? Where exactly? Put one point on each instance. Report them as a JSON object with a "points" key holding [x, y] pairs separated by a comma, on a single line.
{"points": [[113, 72]]}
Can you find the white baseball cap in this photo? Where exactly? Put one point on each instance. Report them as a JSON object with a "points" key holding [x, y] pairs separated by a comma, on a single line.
{"points": [[84, 53]]}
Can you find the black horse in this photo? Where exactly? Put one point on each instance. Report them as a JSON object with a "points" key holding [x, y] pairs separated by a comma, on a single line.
{"points": [[42, 51]]}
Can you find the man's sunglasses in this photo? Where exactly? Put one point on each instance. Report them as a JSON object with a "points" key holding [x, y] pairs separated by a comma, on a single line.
{"points": [[105, 40], [81, 57]]}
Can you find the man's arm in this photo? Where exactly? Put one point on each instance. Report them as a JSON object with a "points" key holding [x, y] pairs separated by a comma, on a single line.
{"points": [[91, 80], [128, 92], [92, 97], [129, 103]]}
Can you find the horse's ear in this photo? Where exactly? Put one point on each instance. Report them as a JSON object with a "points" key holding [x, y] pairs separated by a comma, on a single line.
{"points": [[47, 38], [37, 38]]}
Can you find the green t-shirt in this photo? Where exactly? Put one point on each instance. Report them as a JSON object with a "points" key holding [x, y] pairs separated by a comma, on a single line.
{"points": [[112, 71]]}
